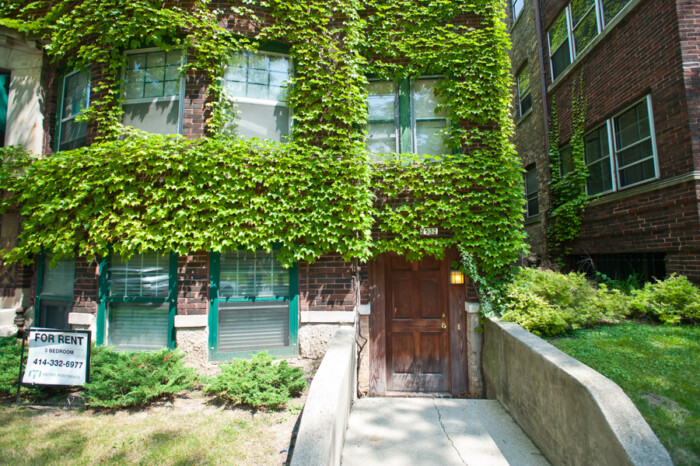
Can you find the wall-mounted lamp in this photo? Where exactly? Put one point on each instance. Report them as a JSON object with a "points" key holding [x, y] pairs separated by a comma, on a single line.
{"points": [[456, 277]]}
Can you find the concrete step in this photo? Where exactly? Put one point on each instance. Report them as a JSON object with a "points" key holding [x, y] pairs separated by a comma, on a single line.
{"points": [[439, 431]]}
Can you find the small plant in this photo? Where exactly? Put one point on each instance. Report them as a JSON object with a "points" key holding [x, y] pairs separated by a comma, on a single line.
{"points": [[671, 301], [125, 379], [10, 352], [258, 382], [549, 303]]}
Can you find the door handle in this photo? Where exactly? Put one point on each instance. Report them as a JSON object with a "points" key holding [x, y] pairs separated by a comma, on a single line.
{"points": [[444, 325]]}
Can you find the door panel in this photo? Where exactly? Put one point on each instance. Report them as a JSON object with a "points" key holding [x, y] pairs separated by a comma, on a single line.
{"points": [[417, 339]]}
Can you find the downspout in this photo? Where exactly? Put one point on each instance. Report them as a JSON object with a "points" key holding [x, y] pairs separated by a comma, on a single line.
{"points": [[545, 117]]}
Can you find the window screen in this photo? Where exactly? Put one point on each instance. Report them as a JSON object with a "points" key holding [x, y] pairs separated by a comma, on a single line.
{"points": [[139, 308], [533, 206], [152, 91], [382, 129], [597, 151], [559, 45], [257, 83], [634, 145], [428, 120], [524, 96], [76, 97], [56, 294]]}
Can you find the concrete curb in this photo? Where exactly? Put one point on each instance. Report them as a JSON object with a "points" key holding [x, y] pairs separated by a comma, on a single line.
{"points": [[571, 412], [325, 416]]}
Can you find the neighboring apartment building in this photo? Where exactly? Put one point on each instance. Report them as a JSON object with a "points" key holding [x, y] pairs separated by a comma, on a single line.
{"points": [[410, 316], [640, 65]]}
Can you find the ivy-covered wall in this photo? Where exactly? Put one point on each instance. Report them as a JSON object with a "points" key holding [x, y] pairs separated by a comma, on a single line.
{"points": [[317, 194]]}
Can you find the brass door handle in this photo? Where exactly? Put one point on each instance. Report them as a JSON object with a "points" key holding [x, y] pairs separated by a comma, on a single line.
{"points": [[444, 325]]}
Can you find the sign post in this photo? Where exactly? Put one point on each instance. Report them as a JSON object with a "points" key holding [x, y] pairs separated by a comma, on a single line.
{"points": [[57, 357]]}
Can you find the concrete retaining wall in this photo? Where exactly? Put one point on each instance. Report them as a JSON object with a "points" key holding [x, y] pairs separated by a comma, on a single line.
{"points": [[572, 413], [325, 416]]}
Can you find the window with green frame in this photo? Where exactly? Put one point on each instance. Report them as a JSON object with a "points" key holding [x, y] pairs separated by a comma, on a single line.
{"points": [[54, 299], [404, 117], [153, 91], [138, 299], [254, 305], [74, 98]]}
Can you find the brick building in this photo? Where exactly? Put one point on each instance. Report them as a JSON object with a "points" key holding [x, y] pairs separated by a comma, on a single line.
{"points": [[640, 65], [216, 306]]}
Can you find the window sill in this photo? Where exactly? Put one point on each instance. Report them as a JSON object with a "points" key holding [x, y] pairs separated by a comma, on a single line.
{"points": [[594, 43], [532, 220], [642, 188], [524, 116]]}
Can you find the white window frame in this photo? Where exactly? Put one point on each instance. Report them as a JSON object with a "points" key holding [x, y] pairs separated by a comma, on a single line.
{"points": [[534, 195], [397, 122], [525, 68], [613, 149], [62, 119], [611, 157], [516, 12], [170, 98], [267, 102], [600, 26], [412, 109]]}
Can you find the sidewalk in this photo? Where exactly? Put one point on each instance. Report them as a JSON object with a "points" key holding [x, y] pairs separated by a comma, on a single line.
{"points": [[435, 431]]}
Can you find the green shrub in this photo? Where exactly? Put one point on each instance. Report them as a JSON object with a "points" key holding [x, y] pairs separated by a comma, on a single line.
{"points": [[258, 383], [671, 301], [10, 353], [549, 303], [124, 379]]}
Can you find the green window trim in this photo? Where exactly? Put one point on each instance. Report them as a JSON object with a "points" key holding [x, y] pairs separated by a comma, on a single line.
{"points": [[104, 298], [40, 318], [407, 119], [215, 300]]}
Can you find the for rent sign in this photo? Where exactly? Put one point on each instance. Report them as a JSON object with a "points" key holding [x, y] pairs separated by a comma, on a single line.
{"points": [[57, 357]]}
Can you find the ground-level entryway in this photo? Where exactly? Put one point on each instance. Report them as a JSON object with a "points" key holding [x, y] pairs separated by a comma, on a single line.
{"points": [[435, 431]]}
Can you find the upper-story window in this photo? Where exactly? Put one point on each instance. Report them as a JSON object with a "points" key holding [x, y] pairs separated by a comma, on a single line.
{"points": [[74, 98], [404, 117], [532, 202], [257, 84], [629, 138], [524, 97], [153, 88], [517, 8], [576, 27]]}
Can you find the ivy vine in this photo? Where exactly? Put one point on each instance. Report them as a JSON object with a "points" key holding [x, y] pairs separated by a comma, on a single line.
{"points": [[315, 195], [568, 188]]}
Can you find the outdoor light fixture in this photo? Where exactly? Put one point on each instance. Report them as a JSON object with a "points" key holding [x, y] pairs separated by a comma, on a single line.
{"points": [[456, 277]]}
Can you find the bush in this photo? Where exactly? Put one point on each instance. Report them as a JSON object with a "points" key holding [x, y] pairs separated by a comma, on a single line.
{"points": [[671, 301], [10, 352], [125, 379], [257, 383], [549, 303]]}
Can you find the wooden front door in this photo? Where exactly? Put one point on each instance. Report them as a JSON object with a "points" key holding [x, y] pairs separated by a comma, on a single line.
{"points": [[417, 323]]}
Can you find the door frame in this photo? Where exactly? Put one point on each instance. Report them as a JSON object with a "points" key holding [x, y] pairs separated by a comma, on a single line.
{"points": [[457, 322]]}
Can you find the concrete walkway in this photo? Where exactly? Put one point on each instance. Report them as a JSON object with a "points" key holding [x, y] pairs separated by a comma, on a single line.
{"points": [[435, 431]]}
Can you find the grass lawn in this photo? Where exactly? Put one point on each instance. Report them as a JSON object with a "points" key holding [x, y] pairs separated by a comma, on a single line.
{"points": [[188, 431], [658, 367]]}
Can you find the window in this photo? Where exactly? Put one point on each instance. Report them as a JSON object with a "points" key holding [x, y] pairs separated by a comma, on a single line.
{"points": [[532, 203], [74, 98], [405, 117], [576, 27], [254, 305], [524, 97], [54, 299], [141, 300], [517, 8], [632, 144], [4, 94], [152, 93], [257, 84]]}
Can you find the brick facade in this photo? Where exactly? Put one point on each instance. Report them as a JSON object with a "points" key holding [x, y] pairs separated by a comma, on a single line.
{"points": [[652, 49]]}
